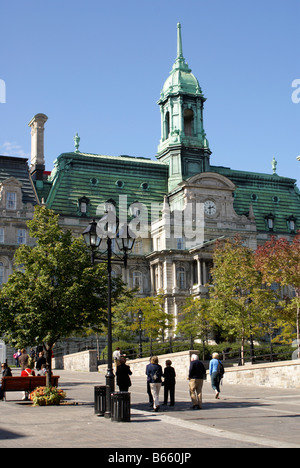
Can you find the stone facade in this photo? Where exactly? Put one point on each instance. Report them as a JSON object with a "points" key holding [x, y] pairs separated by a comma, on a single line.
{"points": [[17, 201]]}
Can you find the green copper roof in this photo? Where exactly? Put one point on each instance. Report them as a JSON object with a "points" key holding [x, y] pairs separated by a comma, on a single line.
{"points": [[267, 194], [181, 79], [101, 178]]}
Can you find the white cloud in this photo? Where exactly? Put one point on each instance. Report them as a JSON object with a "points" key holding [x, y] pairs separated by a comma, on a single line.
{"points": [[11, 148]]}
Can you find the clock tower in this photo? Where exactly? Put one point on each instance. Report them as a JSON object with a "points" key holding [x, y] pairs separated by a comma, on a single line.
{"points": [[183, 144]]}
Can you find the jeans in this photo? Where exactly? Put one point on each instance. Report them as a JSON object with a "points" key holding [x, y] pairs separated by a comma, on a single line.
{"points": [[215, 381]]}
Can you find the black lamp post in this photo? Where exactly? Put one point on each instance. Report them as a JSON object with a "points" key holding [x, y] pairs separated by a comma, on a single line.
{"points": [[140, 317], [106, 229]]}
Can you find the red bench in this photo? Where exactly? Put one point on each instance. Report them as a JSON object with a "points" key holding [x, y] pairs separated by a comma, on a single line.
{"points": [[26, 384]]}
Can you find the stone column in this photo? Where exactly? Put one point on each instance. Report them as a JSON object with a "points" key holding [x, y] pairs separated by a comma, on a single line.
{"points": [[37, 146]]}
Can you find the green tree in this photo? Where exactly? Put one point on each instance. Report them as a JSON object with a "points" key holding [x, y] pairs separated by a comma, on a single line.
{"points": [[235, 285], [53, 291], [279, 262], [155, 320], [196, 320], [123, 318], [266, 303]]}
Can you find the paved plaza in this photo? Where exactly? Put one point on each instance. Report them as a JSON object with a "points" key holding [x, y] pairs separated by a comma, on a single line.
{"points": [[244, 417]]}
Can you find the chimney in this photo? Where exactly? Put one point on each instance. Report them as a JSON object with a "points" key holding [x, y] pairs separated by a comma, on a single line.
{"points": [[37, 162]]}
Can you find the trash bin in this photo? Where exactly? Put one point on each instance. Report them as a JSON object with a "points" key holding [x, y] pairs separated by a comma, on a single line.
{"points": [[100, 400], [120, 407]]}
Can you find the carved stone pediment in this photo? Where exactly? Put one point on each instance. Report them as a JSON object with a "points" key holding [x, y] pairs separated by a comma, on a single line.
{"points": [[210, 180]]}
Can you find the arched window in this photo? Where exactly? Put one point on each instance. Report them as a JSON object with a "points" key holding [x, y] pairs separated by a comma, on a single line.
{"points": [[181, 278], [167, 125], [137, 280], [1, 273], [188, 122]]}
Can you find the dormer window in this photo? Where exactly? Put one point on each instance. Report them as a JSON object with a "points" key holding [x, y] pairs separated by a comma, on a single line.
{"points": [[270, 221], [135, 209], [110, 205], [83, 204], [11, 194], [292, 224]]}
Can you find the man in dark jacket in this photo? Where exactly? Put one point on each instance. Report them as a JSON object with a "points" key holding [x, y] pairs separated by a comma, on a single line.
{"points": [[197, 374]]}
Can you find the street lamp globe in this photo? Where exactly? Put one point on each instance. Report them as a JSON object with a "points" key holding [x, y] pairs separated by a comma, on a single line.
{"points": [[91, 237]]}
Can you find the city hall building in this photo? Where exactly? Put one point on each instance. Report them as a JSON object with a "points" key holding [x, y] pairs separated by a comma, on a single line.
{"points": [[179, 201]]}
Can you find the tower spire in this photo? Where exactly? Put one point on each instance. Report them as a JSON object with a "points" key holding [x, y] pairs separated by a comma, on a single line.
{"points": [[180, 63], [179, 42]]}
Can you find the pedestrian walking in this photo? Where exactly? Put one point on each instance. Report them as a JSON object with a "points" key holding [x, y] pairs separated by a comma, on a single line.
{"points": [[123, 373], [148, 386], [23, 359], [197, 374], [154, 373], [116, 357], [169, 383], [16, 357], [216, 371]]}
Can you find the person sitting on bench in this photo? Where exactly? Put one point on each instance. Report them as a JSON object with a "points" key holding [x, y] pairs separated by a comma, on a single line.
{"points": [[6, 372], [27, 373]]}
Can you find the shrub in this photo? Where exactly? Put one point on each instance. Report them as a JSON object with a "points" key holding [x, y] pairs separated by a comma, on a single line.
{"points": [[46, 396]]}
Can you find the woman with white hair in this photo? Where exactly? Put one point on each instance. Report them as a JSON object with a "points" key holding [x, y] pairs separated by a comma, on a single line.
{"points": [[215, 376], [197, 374]]}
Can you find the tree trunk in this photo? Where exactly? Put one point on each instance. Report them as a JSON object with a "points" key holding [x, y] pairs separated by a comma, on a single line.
{"points": [[243, 351], [48, 365]]}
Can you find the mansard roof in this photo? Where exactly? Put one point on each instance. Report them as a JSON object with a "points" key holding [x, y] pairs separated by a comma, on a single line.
{"points": [[100, 178], [267, 194], [17, 168]]}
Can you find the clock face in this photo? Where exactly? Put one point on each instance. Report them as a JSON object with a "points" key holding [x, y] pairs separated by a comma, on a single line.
{"points": [[210, 207]]}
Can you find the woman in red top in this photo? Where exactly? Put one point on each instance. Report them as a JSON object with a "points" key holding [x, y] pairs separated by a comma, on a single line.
{"points": [[27, 373]]}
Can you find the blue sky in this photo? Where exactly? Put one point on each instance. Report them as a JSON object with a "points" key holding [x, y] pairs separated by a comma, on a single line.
{"points": [[97, 68]]}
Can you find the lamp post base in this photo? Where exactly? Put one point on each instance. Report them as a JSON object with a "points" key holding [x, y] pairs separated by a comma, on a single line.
{"points": [[110, 388]]}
